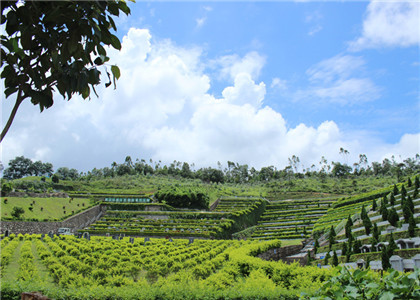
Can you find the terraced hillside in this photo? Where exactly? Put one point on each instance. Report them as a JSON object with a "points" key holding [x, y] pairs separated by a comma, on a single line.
{"points": [[337, 215], [232, 204], [155, 219], [385, 233], [290, 219], [375, 216]]}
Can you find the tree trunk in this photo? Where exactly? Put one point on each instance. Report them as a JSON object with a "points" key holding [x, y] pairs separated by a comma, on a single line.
{"points": [[19, 100]]}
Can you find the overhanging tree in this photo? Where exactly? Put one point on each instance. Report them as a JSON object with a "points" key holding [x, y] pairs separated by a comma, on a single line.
{"points": [[52, 46]]}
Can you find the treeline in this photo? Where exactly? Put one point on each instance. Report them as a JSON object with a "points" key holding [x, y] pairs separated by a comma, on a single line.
{"points": [[234, 172]]}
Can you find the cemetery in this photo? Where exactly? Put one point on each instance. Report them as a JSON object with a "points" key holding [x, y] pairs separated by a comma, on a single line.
{"points": [[126, 242]]}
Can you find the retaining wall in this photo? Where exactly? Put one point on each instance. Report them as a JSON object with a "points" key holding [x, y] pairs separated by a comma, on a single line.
{"points": [[75, 222], [280, 253]]}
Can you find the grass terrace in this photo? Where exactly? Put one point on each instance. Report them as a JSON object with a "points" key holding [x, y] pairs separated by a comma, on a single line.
{"points": [[290, 219], [352, 206], [43, 209]]}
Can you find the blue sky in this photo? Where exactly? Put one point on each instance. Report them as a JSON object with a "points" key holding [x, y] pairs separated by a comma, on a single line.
{"points": [[247, 82]]}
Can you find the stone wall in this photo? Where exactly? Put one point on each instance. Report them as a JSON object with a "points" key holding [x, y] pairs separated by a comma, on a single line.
{"points": [[75, 222], [214, 205], [280, 253], [301, 258], [152, 207], [37, 195]]}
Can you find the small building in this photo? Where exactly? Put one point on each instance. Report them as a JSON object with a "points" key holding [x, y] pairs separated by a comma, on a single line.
{"points": [[396, 263], [351, 265], [416, 259], [408, 265], [390, 229], [405, 243], [381, 245], [361, 263], [375, 265], [365, 248]]}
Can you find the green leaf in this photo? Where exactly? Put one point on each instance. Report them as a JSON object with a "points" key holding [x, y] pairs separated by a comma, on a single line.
{"points": [[72, 44], [113, 9], [123, 7], [104, 58], [10, 90], [351, 291], [54, 56], [43, 99], [26, 40], [115, 42], [101, 50], [15, 45], [8, 71], [338, 294], [93, 76], [387, 296], [115, 71], [372, 285], [12, 23], [112, 23], [98, 61], [86, 92]]}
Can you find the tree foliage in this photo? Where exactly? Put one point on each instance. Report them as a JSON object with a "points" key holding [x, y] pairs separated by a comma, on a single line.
{"points": [[21, 167], [17, 212], [393, 217], [50, 46], [183, 197], [65, 173]]}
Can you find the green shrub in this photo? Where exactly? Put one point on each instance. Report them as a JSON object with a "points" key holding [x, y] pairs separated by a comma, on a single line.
{"points": [[358, 284], [183, 197]]}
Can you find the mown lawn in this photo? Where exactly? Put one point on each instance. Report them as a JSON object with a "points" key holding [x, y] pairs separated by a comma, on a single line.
{"points": [[51, 209]]}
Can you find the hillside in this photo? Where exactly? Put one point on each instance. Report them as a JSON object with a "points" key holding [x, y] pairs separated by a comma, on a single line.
{"points": [[137, 243], [292, 209]]}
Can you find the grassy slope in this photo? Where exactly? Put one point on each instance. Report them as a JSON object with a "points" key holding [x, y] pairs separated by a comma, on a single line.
{"points": [[52, 207], [310, 187], [297, 188]]}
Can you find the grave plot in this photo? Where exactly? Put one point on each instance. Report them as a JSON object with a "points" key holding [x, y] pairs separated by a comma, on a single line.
{"points": [[351, 206], [290, 219], [394, 217], [160, 223], [139, 219], [232, 204], [381, 219]]}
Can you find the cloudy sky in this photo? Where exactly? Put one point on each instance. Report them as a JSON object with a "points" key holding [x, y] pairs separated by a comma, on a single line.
{"points": [[253, 83]]}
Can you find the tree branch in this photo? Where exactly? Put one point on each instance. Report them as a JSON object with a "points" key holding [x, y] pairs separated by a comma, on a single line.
{"points": [[19, 100]]}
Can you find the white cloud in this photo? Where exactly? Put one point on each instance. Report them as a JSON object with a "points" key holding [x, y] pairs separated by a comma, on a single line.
{"points": [[245, 91], [315, 29], [337, 67], [349, 91], [408, 146], [390, 24], [232, 65], [314, 18], [340, 80], [136, 44], [42, 154], [199, 22], [278, 83], [162, 109]]}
